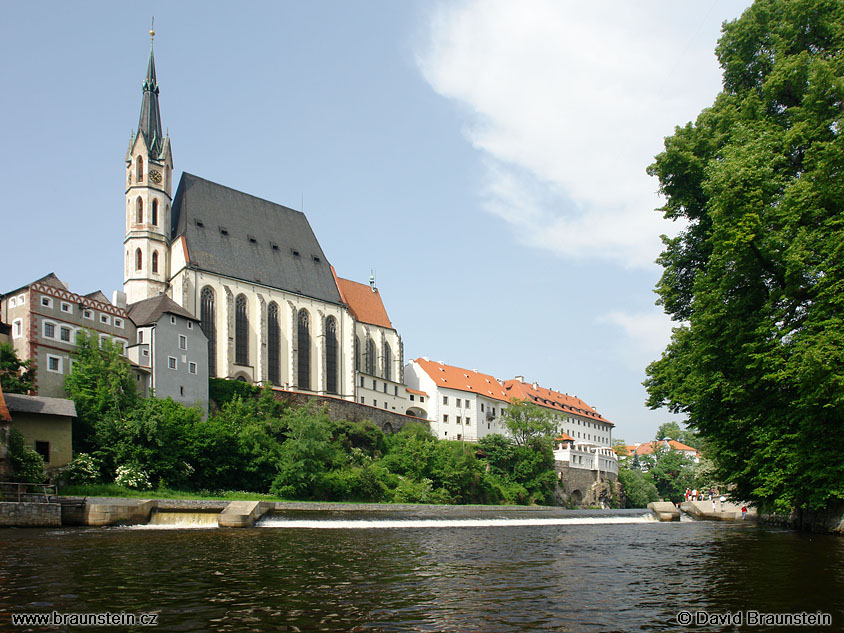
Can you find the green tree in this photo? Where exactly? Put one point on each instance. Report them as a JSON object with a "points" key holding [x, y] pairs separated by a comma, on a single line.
{"points": [[15, 375], [101, 386], [639, 489], [669, 431], [526, 421], [27, 465], [754, 277], [672, 473]]}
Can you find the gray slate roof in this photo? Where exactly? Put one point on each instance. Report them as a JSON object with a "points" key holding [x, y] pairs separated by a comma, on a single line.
{"points": [[18, 403], [148, 311], [263, 242]]}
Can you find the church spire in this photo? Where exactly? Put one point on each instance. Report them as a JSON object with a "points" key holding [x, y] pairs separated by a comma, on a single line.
{"points": [[150, 121]]}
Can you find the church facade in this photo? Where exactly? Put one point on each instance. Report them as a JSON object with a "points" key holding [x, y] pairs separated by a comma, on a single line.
{"points": [[251, 271]]}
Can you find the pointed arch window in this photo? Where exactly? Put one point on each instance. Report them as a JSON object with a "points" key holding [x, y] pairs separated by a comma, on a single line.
{"points": [[155, 212], [303, 340], [139, 211], [155, 261], [207, 323], [388, 362], [369, 356], [241, 331], [331, 355], [139, 259], [139, 169], [273, 345], [357, 353]]}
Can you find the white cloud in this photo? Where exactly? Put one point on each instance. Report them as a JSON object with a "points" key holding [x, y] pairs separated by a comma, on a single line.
{"points": [[647, 332], [568, 104]]}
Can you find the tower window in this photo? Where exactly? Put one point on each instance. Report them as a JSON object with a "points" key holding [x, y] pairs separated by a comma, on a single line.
{"points": [[207, 324], [139, 211], [273, 345], [331, 355], [241, 332], [155, 212], [139, 259], [303, 339], [155, 261], [139, 169]]}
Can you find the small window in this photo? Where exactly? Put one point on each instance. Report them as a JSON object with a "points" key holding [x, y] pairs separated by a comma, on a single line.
{"points": [[445, 419], [192, 368], [17, 328], [118, 322], [49, 330], [183, 341], [140, 336], [362, 400], [457, 403], [374, 386], [181, 390], [361, 381], [385, 387], [199, 223], [172, 320], [103, 339], [295, 252], [224, 231], [482, 407], [190, 325], [466, 404], [146, 352], [171, 362], [374, 403], [274, 246], [445, 399], [119, 345], [66, 307], [411, 397], [395, 390], [43, 449], [21, 299], [88, 314], [13, 302], [421, 398], [252, 239], [64, 334], [54, 363], [46, 302], [317, 259], [468, 421], [104, 319], [457, 420]]}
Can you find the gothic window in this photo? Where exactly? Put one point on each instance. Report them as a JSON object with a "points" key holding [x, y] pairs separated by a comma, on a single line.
{"points": [[357, 353], [155, 212], [331, 355], [273, 345], [209, 328], [155, 261], [369, 360], [139, 211], [388, 361], [303, 339], [139, 171], [139, 259], [241, 331]]}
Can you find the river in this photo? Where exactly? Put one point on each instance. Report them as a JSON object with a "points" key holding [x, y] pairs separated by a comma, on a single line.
{"points": [[461, 571]]}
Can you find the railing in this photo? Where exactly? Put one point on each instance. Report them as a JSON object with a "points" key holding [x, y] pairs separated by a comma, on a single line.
{"points": [[32, 493]]}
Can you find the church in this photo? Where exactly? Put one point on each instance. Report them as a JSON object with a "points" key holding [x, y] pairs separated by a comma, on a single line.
{"points": [[256, 278]]}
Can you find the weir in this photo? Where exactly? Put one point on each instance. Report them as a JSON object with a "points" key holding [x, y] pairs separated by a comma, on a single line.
{"points": [[182, 520]]}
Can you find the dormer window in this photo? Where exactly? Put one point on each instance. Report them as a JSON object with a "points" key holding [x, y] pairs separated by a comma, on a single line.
{"points": [[224, 231], [274, 246], [252, 239], [295, 252], [199, 223]]}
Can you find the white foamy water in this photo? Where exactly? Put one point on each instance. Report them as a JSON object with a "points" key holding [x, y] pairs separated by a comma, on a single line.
{"points": [[279, 522]]}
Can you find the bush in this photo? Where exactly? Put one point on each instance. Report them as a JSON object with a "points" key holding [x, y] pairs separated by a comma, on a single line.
{"points": [[131, 476], [222, 391], [27, 465], [82, 469]]}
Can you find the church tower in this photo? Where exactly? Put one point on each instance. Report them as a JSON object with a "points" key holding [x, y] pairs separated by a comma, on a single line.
{"points": [[149, 176]]}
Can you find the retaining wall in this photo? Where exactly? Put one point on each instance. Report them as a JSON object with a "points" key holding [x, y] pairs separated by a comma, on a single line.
{"points": [[25, 514]]}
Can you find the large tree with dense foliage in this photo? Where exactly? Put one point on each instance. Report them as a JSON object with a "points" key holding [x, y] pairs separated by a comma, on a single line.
{"points": [[15, 374], [755, 278]]}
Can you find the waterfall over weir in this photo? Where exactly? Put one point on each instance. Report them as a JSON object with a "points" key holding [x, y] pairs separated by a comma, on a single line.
{"points": [[181, 520], [277, 521]]}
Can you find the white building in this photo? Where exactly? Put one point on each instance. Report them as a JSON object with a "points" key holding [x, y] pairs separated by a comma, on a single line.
{"points": [[463, 404]]}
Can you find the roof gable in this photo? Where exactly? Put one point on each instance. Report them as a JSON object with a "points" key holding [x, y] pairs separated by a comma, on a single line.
{"points": [[148, 311], [237, 235], [364, 303]]}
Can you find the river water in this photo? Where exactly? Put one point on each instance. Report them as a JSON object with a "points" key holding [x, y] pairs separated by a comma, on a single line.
{"points": [[469, 570]]}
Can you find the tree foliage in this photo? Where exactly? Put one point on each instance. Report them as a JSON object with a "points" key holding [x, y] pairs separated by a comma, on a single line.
{"points": [[15, 374], [526, 421], [755, 277]]}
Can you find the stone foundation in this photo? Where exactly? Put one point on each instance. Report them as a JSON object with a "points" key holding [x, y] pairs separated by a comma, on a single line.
{"points": [[582, 488], [25, 514]]}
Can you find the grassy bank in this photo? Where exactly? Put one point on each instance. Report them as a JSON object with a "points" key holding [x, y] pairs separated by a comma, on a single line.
{"points": [[113, 490]]}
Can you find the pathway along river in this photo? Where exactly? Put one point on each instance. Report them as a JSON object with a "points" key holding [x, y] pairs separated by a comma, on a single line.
{"points": [[466, 571]]}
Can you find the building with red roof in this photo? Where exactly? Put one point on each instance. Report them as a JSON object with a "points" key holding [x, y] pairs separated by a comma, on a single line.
{"points": [[649, 448]]}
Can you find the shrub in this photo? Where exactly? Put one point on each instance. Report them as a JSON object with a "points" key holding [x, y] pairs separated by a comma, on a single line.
{"points": [[82, 469], [131, 476], [27, 465]]}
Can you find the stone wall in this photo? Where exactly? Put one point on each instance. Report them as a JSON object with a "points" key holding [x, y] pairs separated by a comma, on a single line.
{"points": [[581, 488], [338, 409], [829, 521], [24, 514]]}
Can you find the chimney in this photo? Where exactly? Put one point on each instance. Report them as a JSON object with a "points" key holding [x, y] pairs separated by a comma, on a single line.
{"points": [[520, 378], [118, 299]]}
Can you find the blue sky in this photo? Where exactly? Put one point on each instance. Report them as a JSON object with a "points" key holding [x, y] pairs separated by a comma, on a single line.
{"points": [[487, 159]]}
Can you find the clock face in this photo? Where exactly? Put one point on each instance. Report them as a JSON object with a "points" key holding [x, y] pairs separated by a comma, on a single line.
{"points": [[155, 176]]}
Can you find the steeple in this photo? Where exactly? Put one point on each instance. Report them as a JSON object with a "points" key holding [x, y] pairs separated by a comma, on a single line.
{"points": [[150, 122]]}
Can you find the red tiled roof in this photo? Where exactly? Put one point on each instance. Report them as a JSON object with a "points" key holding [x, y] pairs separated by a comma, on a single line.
{"points": [[4, 410], [649, 447], [565, 437], [551, 399], [418, 393], [463, 379], [364, 304]]}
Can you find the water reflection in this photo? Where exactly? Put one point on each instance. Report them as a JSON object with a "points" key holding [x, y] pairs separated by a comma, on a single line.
{"points": [[590, 577]]}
